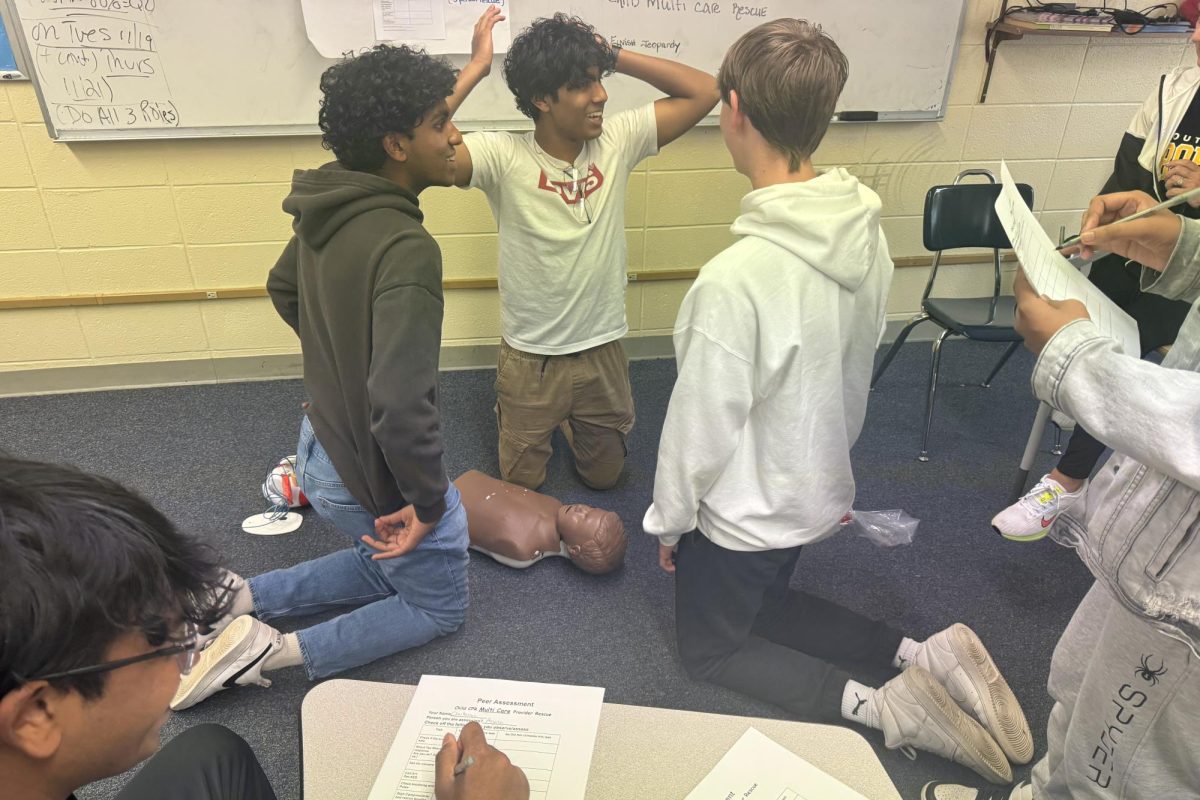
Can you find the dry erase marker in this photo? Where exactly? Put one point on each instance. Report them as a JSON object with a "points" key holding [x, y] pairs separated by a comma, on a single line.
{"points": [[1174, 201], [858, 116]]}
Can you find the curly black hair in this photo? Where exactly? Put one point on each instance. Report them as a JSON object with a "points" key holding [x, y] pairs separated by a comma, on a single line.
{"points": [[552, 53], [384, 90], [84, 560]]}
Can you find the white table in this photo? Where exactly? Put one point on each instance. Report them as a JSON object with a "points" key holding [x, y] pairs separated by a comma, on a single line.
{"points": [[641, 753]]}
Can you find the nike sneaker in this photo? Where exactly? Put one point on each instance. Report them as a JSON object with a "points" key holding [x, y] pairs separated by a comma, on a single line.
{"points": [[235, 658], [1030, 518]]}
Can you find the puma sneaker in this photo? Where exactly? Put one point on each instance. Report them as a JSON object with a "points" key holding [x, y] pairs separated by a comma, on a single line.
{"points": [[958, 660], [914, 711]]}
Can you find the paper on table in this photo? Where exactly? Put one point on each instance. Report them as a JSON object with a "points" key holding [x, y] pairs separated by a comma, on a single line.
{"points": [[757, 767], [548, 730], [1051, 274], [338, 27]]}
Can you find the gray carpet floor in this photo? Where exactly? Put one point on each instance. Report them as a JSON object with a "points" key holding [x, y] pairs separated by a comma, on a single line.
{"points": [[200, 453]]}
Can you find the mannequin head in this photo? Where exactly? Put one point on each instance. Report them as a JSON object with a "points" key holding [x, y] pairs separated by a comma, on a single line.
{"points": [[595, 539]]}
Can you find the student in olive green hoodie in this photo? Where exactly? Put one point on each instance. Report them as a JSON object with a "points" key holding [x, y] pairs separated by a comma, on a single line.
{"points": [[361, 283]]}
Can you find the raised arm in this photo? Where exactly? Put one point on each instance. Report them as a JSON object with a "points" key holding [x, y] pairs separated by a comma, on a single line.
{"points": [[691, 94], [478, 68]]}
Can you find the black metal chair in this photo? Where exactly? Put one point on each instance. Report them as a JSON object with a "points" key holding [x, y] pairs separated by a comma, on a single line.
{"points": [[956, 216]]}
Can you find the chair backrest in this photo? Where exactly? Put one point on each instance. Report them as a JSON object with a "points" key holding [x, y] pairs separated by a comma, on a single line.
{"points": [[964, 215]]}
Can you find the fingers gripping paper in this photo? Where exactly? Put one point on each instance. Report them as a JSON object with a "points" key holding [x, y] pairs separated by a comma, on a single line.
{"points": [[1051, 274]]}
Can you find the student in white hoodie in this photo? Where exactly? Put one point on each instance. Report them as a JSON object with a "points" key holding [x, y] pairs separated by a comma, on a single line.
{"points": [[774, 344]]}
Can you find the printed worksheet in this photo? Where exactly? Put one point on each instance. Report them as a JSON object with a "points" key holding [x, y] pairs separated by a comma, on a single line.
{"points": [[548, 730], [758, 768], [409, 19], [1051, 274]]}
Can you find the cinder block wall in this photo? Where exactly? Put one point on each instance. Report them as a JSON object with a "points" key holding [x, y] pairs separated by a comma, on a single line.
{"points": [[120, 217]]}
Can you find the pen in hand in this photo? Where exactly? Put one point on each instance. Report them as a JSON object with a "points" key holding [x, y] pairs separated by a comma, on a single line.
{"points": [[1174, 201]]}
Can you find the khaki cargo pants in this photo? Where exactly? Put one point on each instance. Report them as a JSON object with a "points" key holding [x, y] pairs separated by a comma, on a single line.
{"points": [[588, 391]]}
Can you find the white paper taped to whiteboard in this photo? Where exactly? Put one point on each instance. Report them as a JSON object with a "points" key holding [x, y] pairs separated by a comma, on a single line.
{"points": [[337, 27]]}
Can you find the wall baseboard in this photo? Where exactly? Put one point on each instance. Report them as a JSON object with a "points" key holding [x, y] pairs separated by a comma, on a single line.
{"points": [[232, 369]]}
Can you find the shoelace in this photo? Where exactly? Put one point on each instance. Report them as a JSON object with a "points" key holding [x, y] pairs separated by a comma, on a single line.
{"points": [[279, 504], [1034, 504]]}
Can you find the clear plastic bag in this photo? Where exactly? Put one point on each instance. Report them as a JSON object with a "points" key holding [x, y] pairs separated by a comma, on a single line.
{"points": [[884, 528]]}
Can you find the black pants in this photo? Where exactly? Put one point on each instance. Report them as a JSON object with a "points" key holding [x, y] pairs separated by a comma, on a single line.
{"points": [[1159, 321], [739, 625], [207, 762]]}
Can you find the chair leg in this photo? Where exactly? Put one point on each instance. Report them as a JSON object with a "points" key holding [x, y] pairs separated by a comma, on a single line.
{"points": [[934, 365], [891, 353], [1031, 448], [1057, 448], [1012, 348]]}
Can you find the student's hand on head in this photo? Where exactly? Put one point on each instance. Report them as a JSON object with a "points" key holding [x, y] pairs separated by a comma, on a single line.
{"points": [[482, 48], [603, 41], [1149, 241], [666, 558], [1182, 176], [1039, 318], [491, 776], [398, 534]]}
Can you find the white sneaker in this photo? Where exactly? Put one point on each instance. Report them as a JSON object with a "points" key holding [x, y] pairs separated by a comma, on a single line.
{"points": [[233, 583], [937, 790], [235, 658], [958, 660], [1030, 518], [282, 486], [914, 711]]}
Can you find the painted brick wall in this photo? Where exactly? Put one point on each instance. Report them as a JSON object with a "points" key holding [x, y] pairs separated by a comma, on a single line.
{"points": [[187, 214]]}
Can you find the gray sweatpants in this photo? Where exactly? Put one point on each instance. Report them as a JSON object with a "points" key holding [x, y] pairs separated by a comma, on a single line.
{"points": [[1126, 718]]}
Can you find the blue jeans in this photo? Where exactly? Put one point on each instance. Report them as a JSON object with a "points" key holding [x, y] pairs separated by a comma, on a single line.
{"points": [[397, 603]]}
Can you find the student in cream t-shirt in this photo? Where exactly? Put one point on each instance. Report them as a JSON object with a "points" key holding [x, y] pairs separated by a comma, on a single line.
{"points": [[558, 196]]}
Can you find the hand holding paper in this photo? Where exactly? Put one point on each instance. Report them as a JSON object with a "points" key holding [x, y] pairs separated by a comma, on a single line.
{"points": [[1052, 275], [1038, 319]]}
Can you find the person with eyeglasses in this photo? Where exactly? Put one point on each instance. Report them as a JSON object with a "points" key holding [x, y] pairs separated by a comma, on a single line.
{"points": [[100, 602], [558, 195]]}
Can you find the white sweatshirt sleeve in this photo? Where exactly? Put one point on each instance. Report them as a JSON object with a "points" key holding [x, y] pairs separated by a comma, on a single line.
{"points": [[705, 420]]}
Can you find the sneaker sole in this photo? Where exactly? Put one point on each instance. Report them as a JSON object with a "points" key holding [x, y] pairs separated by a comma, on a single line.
{"points": [[1005, 719], [1033, 537], [223, 650], [986, 757]]}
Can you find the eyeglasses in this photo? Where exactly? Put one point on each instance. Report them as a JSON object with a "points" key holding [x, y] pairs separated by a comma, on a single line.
{"points": [[185, 651], [582, 212]]}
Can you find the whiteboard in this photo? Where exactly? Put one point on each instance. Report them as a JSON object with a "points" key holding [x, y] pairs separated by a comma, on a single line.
{"points": [[115, 69]]}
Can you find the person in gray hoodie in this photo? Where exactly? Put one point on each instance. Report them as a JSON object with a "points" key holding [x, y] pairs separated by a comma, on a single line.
{"points": [[774, 344], [1125, 676], [361, 283]]}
